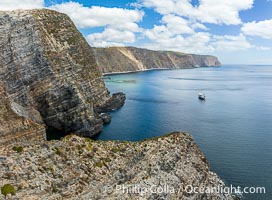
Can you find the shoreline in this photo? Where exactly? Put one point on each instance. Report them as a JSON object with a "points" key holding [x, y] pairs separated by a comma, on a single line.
{"points": [[137, 71], [152, 69]]}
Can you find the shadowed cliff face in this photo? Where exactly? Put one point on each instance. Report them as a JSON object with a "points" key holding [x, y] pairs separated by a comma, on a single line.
{"points": [[15, 123], [46, 65], [124, 59]]}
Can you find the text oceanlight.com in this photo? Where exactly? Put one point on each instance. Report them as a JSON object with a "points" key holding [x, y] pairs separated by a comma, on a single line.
{"points": [[154, 189]]}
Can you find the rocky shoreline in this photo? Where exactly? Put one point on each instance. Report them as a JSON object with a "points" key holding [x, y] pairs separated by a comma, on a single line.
{"points": [[116, 101], [136, 71]]}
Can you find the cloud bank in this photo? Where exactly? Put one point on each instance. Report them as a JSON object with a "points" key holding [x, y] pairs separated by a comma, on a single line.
{"points": [[19, 4], [182, 27]]}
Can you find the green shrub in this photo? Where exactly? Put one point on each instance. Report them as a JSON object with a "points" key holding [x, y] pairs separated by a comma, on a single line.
{"points": [[107, 160], [115, 149], [55, 189], [80, 152], [99, 164], [89, 139], [89, 147], [60, 151], [8, 189], [18, 149]]}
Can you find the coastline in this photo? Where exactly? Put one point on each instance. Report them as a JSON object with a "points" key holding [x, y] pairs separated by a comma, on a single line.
{"points": [[130, 72], [152, 69]]}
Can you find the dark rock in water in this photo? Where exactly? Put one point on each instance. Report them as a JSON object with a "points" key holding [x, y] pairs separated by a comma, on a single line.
{"points": [[106, 118], [115, 102]]}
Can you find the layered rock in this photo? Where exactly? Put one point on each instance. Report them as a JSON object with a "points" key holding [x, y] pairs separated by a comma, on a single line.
{"points": [[79, 168], [47, 66], [116, 101], [16, 127], [131, 59]]}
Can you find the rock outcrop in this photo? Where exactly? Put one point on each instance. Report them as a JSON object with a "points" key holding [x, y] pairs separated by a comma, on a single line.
{"points": [[16, 127], [131, 59], [116, 101], [80, 168], [47, 68]]}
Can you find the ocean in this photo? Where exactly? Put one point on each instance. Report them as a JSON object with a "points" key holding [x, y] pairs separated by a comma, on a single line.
{"points": [[233, 127]]}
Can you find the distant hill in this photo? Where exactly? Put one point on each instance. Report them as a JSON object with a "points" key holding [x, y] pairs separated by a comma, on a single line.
{"points": [[125, 59]]}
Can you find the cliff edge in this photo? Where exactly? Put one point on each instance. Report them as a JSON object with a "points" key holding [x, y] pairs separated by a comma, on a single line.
{"points": [[47, 68], [50, 83], [131, 59], [79, 168]]}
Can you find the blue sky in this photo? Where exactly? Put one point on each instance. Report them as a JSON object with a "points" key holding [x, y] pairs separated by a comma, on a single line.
{"points": [[237, 31]]}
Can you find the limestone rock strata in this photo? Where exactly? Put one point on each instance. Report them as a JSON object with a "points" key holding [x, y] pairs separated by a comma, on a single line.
{"points": [[47, 66], [80, 168], [115, 102], [16, 127], [131, 59]]}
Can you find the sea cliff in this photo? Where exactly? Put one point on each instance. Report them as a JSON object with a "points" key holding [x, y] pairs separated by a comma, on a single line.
{"points": [[15, 124], [48, 68], [131, 59], [50, 84]]}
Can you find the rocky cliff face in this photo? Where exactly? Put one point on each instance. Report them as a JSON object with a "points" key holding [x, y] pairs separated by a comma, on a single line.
{"points": [[125, 59], [79, 168], [46, 66], [15, 123], [49, 82]]}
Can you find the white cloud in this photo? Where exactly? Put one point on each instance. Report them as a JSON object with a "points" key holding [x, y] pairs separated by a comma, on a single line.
{"points": [[181, 27], [197, 42], [199, 26], [222, 12], [231, 43], [262, 48], [95, 16], [261, 29], [106, 44], [177, 25], [180, 34], [120, 25], [111, 37], [181, 20], [19, 4], [208, 11], [162, 39], [172, 26]]}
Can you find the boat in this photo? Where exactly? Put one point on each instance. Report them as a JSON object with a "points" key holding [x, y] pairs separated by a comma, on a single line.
{"points": [[201, 96]]}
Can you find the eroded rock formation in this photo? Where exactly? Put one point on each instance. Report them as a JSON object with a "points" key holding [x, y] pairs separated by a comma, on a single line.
{"points": [[79, 168], [131, 59], [16, 127], [47, 66]]}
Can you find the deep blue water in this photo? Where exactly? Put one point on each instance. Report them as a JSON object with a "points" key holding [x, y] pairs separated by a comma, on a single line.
{"points": [[233, 127]]}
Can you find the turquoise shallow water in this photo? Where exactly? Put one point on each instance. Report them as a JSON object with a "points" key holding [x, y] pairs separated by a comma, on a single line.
{"points": [[233, 127]]}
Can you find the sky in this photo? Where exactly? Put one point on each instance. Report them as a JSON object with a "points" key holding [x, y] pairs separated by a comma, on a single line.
{"points": [[236, 31]]}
